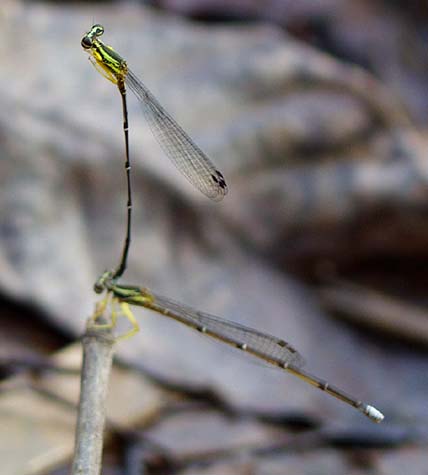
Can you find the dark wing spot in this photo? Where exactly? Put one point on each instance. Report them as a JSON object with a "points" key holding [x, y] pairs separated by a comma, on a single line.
{"points": [[218, 178], [284, 344]]}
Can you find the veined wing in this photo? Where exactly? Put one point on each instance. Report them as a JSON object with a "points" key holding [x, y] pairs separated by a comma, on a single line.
{"points": [[269, 348], [264, 346], [177, 145]]}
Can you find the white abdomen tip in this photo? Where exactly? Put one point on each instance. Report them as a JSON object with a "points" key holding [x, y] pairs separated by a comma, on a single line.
{"points": [[374, 414]]}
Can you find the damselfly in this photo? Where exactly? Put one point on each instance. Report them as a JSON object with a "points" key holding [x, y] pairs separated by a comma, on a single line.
{"points": [[177, 145], [199, 170], [271, 349]]}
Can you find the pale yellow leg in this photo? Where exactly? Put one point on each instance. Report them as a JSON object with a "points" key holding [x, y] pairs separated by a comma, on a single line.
{"points": [[126, 312], [100, 309], [104, 72]]}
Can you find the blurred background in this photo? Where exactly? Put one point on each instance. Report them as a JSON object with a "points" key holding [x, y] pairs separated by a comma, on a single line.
{"points": [[316, 113]]}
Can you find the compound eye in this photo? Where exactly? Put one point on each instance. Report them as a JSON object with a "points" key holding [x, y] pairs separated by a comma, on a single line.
{"points": [[86, 42], [98, 30], [98, 288]]}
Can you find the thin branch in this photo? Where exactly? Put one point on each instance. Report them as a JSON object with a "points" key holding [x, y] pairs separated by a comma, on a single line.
{"points": [[98, 349]]}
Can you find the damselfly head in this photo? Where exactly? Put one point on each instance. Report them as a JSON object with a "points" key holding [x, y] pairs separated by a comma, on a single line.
{"points": [[103, 281], [97, 30], [88, 39], [86, 42]]}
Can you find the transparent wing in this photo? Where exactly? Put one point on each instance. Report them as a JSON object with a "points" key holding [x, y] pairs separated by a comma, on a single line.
{"points": [[177, 145], [264, 346]]}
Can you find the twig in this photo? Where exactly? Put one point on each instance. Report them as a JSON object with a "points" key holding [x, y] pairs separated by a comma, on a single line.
{"points": [[98, 349]]}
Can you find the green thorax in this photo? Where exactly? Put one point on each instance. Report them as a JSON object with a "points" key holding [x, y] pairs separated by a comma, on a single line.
{"points": [[109, 60]]}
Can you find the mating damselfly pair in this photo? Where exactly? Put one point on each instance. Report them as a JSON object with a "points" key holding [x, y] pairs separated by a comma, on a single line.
{"points": [[200, 171]]}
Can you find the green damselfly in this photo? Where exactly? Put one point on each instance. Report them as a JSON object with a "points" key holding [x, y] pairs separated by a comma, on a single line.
{"points": [[270, 349], [177, 145], [199, 170]]}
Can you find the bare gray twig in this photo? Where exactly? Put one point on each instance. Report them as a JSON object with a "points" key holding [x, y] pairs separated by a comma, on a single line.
{"points": [[98, 349]]}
